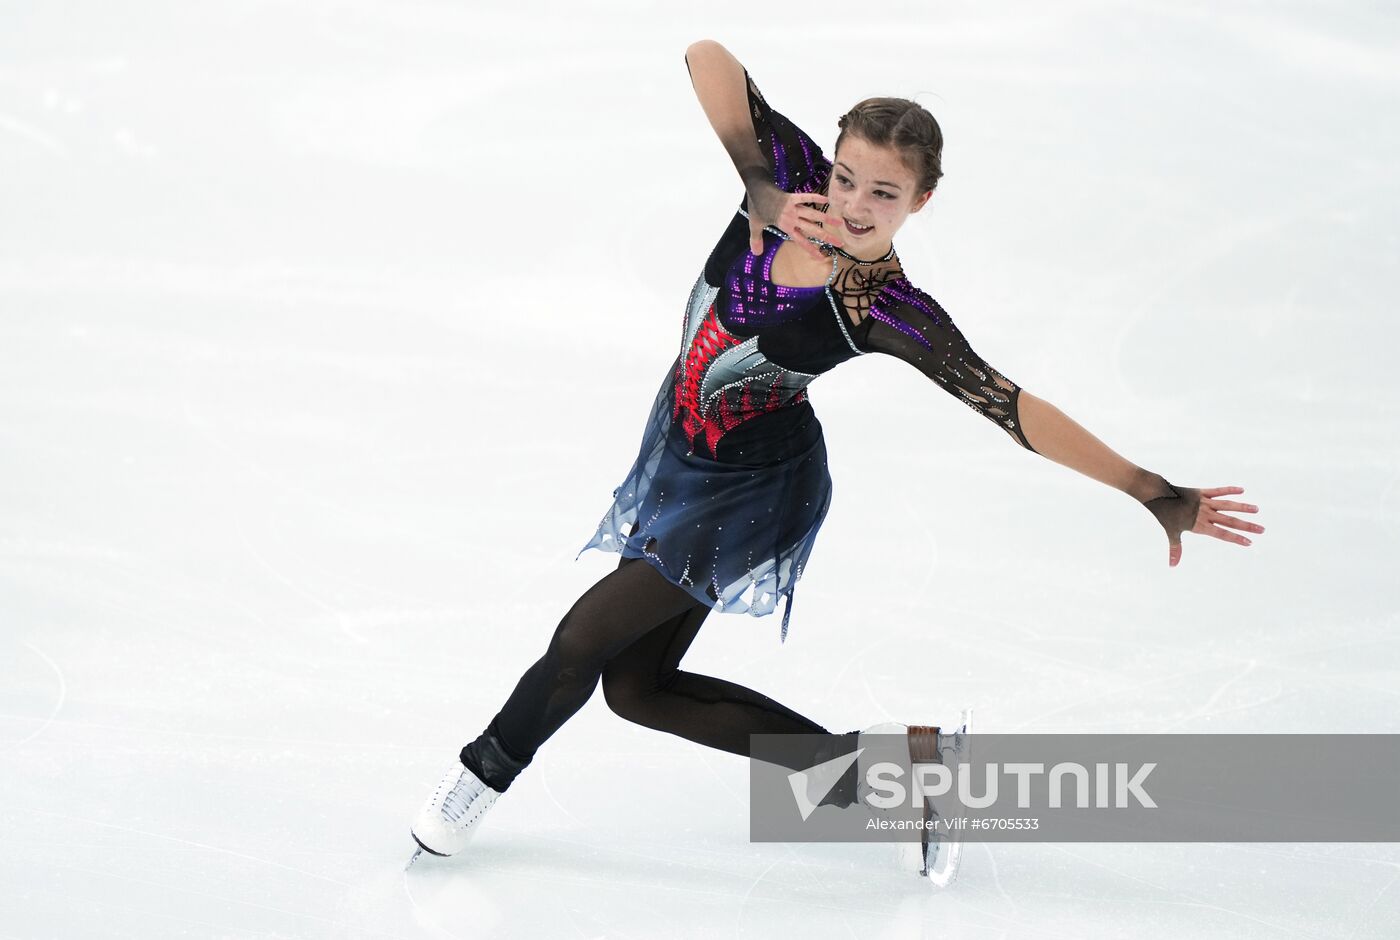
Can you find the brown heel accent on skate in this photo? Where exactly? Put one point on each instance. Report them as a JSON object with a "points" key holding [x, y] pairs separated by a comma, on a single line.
{"points": [[923, 744], [923, 749]]}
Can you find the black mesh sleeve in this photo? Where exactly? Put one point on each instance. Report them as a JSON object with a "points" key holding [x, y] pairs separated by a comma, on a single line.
{"points": [[910, 325], [798, 164]]}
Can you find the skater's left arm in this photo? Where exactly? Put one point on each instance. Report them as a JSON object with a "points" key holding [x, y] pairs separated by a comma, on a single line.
{"points": [[912, 326], [1060, 438]]}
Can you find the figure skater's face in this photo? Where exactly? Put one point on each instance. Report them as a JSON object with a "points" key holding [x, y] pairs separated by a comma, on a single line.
{"points": [[871, 186]]}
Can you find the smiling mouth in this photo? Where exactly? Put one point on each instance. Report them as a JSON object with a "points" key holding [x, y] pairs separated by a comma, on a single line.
{"points": [[855, 229]]}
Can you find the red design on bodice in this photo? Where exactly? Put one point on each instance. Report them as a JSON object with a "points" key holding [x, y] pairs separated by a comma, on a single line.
{"points": [[737, 403]]}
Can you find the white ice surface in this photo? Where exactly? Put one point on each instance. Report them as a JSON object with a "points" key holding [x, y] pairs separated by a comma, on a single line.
{"points": [[326, 330]]}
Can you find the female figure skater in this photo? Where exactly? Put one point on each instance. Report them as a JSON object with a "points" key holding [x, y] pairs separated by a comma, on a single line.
{"points": [[730, 485]]}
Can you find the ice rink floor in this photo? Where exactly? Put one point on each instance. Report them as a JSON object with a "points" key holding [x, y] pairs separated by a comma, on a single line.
{"points": [[327, 329]]}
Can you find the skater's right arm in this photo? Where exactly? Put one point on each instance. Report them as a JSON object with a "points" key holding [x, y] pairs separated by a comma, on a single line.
{"points": [[747, 127]]}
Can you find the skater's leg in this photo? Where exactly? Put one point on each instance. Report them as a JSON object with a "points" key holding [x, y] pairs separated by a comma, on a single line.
{"points": [[609, 616], [643, 684]]}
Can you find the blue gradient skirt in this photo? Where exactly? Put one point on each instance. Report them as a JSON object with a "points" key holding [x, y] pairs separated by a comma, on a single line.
{"points": [[735, 536]]}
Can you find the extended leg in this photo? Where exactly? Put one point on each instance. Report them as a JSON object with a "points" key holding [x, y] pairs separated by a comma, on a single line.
{"points": [[643, 684]]}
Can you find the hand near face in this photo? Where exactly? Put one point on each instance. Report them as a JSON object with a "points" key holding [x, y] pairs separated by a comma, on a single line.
{"points": [[799, 214]]}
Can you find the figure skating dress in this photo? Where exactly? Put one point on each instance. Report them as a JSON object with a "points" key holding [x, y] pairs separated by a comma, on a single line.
{"points": [[730, 485]]}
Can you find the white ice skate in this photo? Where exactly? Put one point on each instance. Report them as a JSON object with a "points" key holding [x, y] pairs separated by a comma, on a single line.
{"points": [[940, 849], [937, 853], [449, 819]]}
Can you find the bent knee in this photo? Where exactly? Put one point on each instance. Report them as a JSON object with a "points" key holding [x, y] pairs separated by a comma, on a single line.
{"points": [[579, 644], [629, 695]]}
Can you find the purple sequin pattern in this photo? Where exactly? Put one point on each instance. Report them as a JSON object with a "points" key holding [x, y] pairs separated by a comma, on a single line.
{"points": [[754, 301], [900, 290]]}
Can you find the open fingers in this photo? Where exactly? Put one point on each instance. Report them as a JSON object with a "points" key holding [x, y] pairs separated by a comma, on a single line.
{"points": [[801, 236], [1216, 518], [1231, 505], [812, 226], [1210, 528], [803, 208], [835, 221], [1221, 490], [1213, 516]]}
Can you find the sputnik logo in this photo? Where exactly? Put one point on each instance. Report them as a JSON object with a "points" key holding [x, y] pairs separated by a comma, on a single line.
{"points": [[818, 779]]}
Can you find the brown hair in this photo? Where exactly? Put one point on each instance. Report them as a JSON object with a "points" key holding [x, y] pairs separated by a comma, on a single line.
{"points": [[904, 125]]}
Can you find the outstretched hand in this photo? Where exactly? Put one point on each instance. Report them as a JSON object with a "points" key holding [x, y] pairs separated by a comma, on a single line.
{"points": [[799, 214], [1192, 510]]}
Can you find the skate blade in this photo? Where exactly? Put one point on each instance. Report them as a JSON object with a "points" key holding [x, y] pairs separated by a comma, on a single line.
{"points": [[416, 852], [945, 868]]}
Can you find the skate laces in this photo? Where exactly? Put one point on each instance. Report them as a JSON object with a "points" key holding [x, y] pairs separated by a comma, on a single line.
{"points": [[460, 798]]}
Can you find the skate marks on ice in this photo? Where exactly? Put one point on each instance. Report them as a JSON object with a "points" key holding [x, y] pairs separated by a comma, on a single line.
{"points": [[58, 703]]}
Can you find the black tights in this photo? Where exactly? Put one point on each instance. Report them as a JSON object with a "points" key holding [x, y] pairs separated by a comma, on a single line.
{"points": [[630, 629]]}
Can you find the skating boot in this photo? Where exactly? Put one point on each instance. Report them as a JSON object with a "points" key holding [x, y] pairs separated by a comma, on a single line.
{"points": [[450, 817], [939, 849]]}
